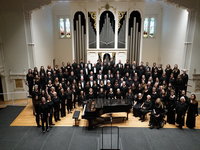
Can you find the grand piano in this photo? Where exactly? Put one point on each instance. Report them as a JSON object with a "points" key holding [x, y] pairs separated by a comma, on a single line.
{"points": [[94, 109]]}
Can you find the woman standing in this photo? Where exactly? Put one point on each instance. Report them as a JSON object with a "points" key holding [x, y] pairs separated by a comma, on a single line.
{"points": [[171, 104], [192, 112], [181, 108]]}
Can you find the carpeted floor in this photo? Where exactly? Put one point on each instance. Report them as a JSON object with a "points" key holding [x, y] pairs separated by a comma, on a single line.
{"points": [[79, 138]]}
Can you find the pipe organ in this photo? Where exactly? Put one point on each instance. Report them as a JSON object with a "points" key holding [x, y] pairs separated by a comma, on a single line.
{"points": [[134, 37], [108, 31], [80, 37]]}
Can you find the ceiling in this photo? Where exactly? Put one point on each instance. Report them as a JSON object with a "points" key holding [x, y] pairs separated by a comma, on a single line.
{"points": [[33, 4]]}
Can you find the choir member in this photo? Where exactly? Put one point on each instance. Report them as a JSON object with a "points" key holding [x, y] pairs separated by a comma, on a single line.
{"points": [[81, 98], [101, 94], [145, 108], [175, 71], [168, 72], [69, 100], [157, 114], [124, 89], [192, 112], [56, 105], [137, 105], [110, 94], [35, 72], [160, 71], [95, 89], [184, 78], [63, 102], [44, 115], [118, 94], [171, 104], [50, 105], [178, 85], [63, 67], [153, 68], [181, 108], [129, 95], [36, 102], [90, 95], [29, 79]]}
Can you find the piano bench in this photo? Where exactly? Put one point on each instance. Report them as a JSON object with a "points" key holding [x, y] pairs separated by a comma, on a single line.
{"points": [[76, 116]]}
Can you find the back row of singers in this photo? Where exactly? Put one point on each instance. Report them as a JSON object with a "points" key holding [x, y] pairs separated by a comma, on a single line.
{"points": [[86, 77]]}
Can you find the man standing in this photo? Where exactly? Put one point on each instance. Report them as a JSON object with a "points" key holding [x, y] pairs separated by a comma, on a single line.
{"points": [[44, 114]]}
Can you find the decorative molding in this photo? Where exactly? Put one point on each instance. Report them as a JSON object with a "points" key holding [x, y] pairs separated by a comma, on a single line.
{"points": [[94, 17], [31, 44], [107, 7], [120, 16]]}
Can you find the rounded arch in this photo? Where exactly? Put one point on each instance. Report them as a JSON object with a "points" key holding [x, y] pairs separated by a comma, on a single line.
{"points": [[103, 17], [83, 20], [134, 14], [107, 30]]}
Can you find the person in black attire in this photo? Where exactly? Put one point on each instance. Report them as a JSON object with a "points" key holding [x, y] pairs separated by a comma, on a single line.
{"points": [[44, 109], [160, 71], [74, 95], [110, 95], [42, 94], [50, 105], [90, 95], [81, 98], [137, 105], [118, 94], [71, 77], [171, 104], [184, 78], [101, 94], [181, 108], [168, 72], [56, 102], [124, 89], [29, 79], [36, 102], [63, 102], [129, 95], [95, 89], [145, 108], [178, 86], [69, 100], [183, 93], [175, 71], [157, 114], [192, 112], [42, 81]]}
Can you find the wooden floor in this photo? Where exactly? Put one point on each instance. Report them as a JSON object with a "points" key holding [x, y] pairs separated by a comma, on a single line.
{"points": [[26, 118]]}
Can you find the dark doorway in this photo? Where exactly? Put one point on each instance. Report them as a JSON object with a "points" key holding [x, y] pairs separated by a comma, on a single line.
{"points": [[1, 91], [106, 58]]}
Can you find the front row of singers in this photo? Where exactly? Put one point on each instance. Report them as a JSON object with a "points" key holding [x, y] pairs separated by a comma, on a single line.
{"points": [[175, 112]]}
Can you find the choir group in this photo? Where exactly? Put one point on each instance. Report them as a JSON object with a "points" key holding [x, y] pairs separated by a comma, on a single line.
{"points": [[154, 90]]}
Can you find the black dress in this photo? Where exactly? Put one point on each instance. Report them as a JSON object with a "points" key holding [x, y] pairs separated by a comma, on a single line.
{"points": [[180, 111], [171, 104], [137, 107], [63, 105], [191, 115], [44, 116]]}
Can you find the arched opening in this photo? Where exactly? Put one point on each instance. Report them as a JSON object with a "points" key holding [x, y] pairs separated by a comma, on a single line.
{"points": [[80, 36], [134, 36], [107, 30]]}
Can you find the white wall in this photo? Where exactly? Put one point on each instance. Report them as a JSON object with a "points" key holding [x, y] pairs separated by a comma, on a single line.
{"points": [[13, 48], [195, 61], [43, 36], [174, 26], [63, 47], [151, 46]]}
